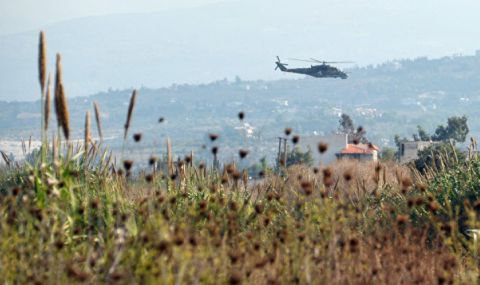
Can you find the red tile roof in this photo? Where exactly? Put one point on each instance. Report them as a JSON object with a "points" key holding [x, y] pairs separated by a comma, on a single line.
{"points": [[359, 149]]}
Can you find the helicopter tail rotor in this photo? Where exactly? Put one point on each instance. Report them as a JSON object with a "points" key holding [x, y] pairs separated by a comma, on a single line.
{"points": [[280, 65]]}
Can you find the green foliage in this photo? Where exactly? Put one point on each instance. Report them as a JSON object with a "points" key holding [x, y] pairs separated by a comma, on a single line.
{"points": [[438, 156], [456, 129], [388, 154], [297, 156], [259, 169], [346, 124], [457, 186], [422, 135], [355, 134]]}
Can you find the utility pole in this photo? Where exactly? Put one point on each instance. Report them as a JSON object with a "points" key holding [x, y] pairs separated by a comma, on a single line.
{"points": [[279, 154], [282, 152]]}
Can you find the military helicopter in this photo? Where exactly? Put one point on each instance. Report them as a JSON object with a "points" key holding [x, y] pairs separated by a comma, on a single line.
{"points": [[319, 71]]}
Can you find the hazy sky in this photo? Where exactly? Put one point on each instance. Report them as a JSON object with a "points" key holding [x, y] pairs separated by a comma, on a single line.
{"points": [[21, 15], [225, 39]]}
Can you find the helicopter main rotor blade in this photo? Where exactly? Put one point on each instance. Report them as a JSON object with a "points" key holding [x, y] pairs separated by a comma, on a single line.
{"points": [[333, 62], [316, 60], [305, 60], [339, 62]]}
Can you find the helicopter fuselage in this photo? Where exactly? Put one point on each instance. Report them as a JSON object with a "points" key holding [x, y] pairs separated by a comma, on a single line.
{"points": [[317, 71]]}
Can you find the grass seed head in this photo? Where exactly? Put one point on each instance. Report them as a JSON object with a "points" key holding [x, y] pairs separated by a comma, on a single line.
{"points": [[295, 139], [61, 108], [288, 131], [322, 147], [243, 153], [213, 137], [137, 137], [327, 172], [127, 164], [63, 115], [241, 116], [152, 160], [402, 220], [87, 136], [96, 109], [48, 98], [307, 187], [42, 60], [347, 175], [130, 112], [149, 178]]}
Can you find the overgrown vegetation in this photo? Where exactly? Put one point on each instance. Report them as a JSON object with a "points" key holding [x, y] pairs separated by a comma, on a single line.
{"points": [[75, 216]]}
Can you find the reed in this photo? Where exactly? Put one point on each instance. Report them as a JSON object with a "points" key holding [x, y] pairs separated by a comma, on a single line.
{"points": [[47, 103], [55, 146], [130, 112], [5, 157], [44, 102], [96, 108], [87, 136], [61, 107], [63, 113], [169, 157], [42, 60]]}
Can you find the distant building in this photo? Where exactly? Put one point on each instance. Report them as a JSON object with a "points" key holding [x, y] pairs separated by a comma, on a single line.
{"points": [[335, 143], [338, 148], [408, 150], [363, 152]]}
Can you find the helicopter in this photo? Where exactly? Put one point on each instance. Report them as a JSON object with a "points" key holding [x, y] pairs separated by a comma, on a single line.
{"points": [[319, 71]]}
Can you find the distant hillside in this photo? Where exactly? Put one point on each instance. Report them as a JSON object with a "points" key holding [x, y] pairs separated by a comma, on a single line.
{"points": [[389, 99], [242, 38]]}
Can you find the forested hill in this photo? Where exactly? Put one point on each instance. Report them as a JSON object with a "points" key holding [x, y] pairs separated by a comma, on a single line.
{"points": [[392, 98]]}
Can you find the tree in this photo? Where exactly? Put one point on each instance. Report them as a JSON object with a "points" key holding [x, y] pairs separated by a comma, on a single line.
{"points": [[456, 129], [355, 135], [437, 155], [388, 154], [260, 167], [422, 135], [297, 156], [346, 124], [398, 140]]}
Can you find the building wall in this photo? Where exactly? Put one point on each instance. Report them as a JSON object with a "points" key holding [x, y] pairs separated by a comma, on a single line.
{"points": [[336, 142], [358, 156], [409, 150]]}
